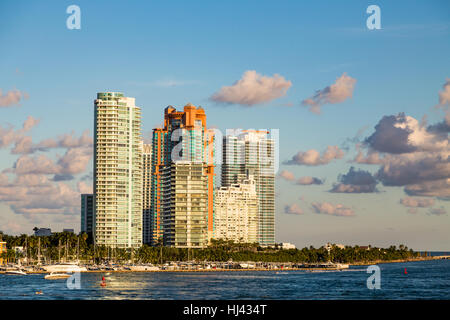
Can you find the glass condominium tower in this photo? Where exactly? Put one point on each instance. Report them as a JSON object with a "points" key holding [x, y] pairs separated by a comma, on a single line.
{"points": [[117, 171], [252, 152], [182, 194], [146, 193]]}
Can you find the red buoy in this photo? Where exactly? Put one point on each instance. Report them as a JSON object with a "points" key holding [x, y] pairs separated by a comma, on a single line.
{"points": [[406, 272], [103, 283]]}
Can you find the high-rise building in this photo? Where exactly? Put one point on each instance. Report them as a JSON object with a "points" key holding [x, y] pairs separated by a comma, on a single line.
{"points": [[182, 196], [87, 213], [236, 212], [252, 152], [146, 193], [117, 171]]}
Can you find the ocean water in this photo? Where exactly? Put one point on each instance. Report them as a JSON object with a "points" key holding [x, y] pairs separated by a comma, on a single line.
{"points": [[424, 280]]}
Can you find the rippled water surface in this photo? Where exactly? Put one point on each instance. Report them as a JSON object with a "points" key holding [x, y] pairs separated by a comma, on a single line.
{"points": [[424, 280]]}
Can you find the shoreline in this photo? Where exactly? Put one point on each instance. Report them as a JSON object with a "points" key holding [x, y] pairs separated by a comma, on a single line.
{"points": [[367, 263], [361, 263]]}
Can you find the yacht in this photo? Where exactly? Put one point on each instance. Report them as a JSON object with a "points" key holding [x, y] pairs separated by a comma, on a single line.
{"points": [[56, 275], [143, 268], [64, 268], [15, 272]]}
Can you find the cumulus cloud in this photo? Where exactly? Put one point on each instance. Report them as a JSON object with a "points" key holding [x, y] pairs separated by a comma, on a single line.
{"points": [[438, 188], [304, 181], [417, 202], [253, 88], [286, 175], [437, 211], [389, 136], [66, 141], [355, 181], [293, 209], [35, 194], [444, 95], [73, 162], [62, 177], [313, 158], [371, 157], [338, 92], [332, 209], [38, 186], [411, 154], [11, 98], [399, 134], [415, 168], [8, 135], [85, 188]]}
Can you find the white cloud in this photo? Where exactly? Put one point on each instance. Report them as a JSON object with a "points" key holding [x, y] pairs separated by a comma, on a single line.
{"points": [[305, 181], [332, 209], [252, 89], [338, 92], [417, 202], [287, 175], [293, 209], [444, 95], [11, 98], [313, 158]]}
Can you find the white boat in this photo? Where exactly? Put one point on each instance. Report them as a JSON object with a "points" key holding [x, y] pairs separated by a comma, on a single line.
{"points": [[143, 268], [64, 268], [56, 275], [15, 272]]}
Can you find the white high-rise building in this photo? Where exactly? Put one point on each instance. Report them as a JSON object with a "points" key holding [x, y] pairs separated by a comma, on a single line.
{"points": [[236, 212], [252, 152], [117, 171]]}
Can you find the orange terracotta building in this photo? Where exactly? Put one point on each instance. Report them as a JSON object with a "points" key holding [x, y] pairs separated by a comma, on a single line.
{"points": [[182, 187]]}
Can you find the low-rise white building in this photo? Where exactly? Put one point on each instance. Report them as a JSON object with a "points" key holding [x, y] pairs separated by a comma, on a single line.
{"points": [[287, 245], [236, 212], [330, 246]]}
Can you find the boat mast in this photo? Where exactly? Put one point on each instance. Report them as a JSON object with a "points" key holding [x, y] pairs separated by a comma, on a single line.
{"points": [[39, 250], [26, 250]]}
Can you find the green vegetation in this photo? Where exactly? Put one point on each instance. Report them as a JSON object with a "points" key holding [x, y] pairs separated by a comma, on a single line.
{"points": [[67, 246]]}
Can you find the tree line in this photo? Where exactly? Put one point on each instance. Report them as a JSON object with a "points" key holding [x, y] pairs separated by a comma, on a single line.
{"points": [[67, 246]]}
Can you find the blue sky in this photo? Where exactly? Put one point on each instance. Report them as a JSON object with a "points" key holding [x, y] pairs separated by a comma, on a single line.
{"points": [[177, 52]]}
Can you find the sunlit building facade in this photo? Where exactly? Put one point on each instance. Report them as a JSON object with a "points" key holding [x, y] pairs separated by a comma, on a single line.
{"points": [[236, 212], [117, 171], [182, 196], [252, 152]]}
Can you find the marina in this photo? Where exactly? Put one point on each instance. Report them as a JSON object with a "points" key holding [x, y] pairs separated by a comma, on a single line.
{"points": [[69, 268]]}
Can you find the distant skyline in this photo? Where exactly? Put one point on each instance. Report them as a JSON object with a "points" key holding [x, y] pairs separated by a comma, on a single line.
{"points": [[363, 114]]}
